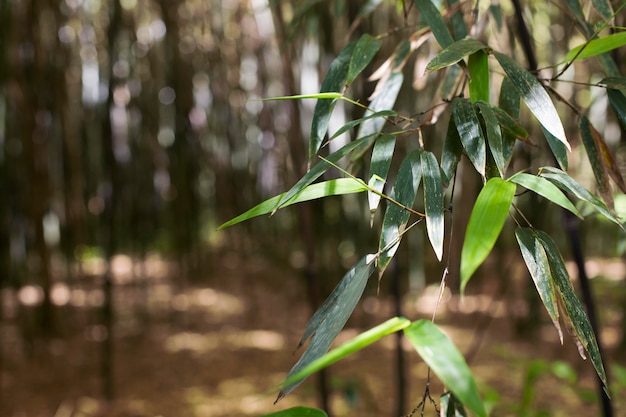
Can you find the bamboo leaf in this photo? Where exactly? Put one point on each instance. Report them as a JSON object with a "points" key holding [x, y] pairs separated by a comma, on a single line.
{"points": [[404, 190], [572, 305], [433, 18], [468, 126], [494, 136], [596, 47], [457, 20], [343, 129], [454, 53], [484, 226], [298, 412], [534, 96], [452, 151], [312, 192], [512, 128], [568, 184], [355, 344], [365, 49], [450, 81], [385, 100], [333, 83], [615, 83], [604, 8], [369, 7], [433, 202], [546, 189], [330, 318], [590, 137], [446, 361], [537, 263], [478, 66], [558, 149], [618, 102], [451, 406], [379, 167]]}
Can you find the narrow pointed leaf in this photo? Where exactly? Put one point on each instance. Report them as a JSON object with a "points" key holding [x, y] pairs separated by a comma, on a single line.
{"points": [[454, 53], [317, 171], [618, 102], [534, 96], [330, 318], [343, 129], [365, 49], [568, 184], [572, 305], [459, 28], [355, 344], [298, 412], [333, 82], [302, 97], [451, 406], [369, 7], [312, 192], [596, 47], [600, 171], [537, 263], [404, 190], [546, 189], [615, 83], [385, 100], [508, 112], [452, 151], [433, 18], [433, 202], [494, 136], [447, 363], [468, 126], [604, 8], [450, 82], [379, 167], [486, 221], [478, 66], [512, 128], [558, 149], [509, 99]]}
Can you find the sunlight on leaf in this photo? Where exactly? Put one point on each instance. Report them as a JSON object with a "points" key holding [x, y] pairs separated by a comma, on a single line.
{"points": [[494, 136], [447, 363], [470, 133], [454, 53], [596, 47], [379, 167], [546, 189], [433, 202]]}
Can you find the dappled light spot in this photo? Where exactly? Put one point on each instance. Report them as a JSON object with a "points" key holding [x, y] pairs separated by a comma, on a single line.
{"points": [[230, 339], [122, 269], [429, 300], [96, 333], [30, 295], [60, 294], [193, 342]]}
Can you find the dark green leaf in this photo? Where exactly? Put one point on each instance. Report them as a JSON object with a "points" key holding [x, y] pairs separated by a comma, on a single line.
{"points": [[311, 192], [568, 184], [509, 99], [457, 20], [535, 96], [446, 361], [588, 134], [454, 53], [452, 151], [333, 82], [485, 223], [511, 128], [450, 81], [451, 406], [364, 51], [496, 12], [615, 83], [404, 190], [433, 202], [572, 305], [604, 7], [546, 189], [468, 126], [379, 167], [330, 318], [618, 102], [597, 46], [433, 18], [537, 263], [369, 7], [478, 66], [494, 136], [558, 149], [298, 412]]}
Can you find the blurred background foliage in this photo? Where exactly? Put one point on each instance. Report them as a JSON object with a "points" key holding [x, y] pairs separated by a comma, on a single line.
{"points": [[131, 129]]}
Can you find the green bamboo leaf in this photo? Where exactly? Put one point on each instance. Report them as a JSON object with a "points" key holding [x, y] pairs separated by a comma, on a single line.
{"points": [[509, 99], [457, 20], [615, 83], [355, 344], [379, 167], [365, 49], [468, 126], [546, 189], [510, 127], [451, 406], [535, 96], [494, 136], [537, 263], [330, 318], [478, 66], [596, 47], [558, 149], [433, 18], [575, 7], [568, 184], [298, 412], [302, 97], [404, 190], [343, 129], [454, 53], [317, 171], [447, 363], [572, 305], [369, 7], [333, 83], [433, 202], [451, 154], [485, 223], [599, 168], [385, 100], [312, 192], [604, 8], [618, 102]]}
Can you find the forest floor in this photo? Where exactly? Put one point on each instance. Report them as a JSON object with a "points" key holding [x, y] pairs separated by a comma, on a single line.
{"points": [[221, 347]]}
